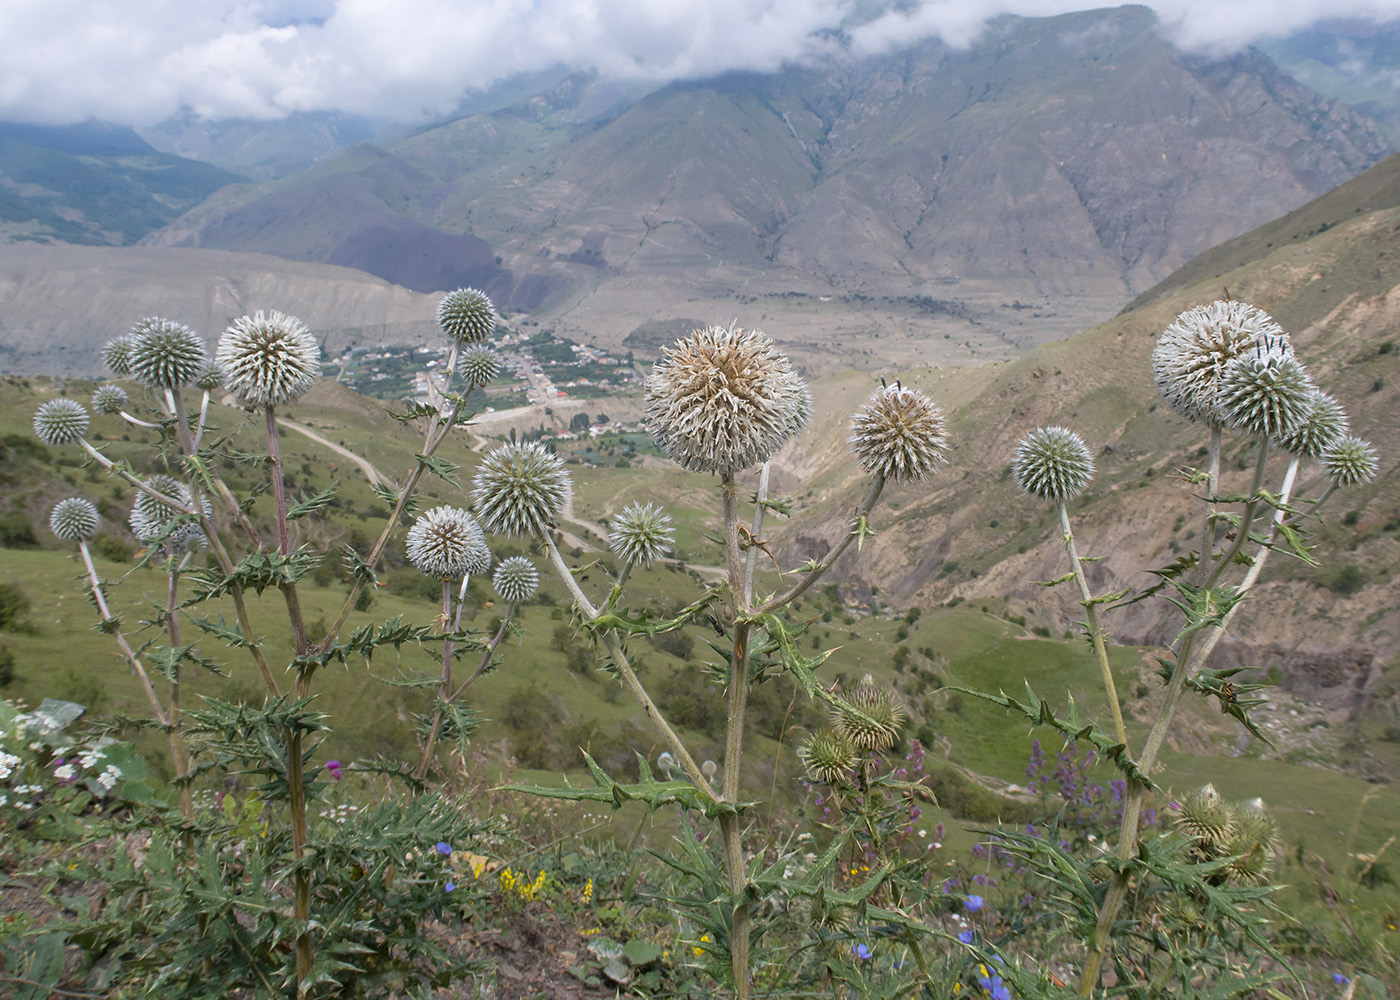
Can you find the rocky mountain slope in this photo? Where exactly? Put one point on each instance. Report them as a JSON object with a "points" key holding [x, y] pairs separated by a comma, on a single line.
{"points": [[1058, 167]]}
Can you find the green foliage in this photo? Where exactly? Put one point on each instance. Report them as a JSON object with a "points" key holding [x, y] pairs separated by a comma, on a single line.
{"points": [[16, 531]]}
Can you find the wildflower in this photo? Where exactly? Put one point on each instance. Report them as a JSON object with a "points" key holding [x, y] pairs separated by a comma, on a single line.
{"points": [[965, 936], [467, 315], [1340, 979], [479, 365], [516, 579], [116, 355], [975, 903], [724, 399], [520, 489], [449, 886], [1349, 462], [109, 398], [64, 773], [443, 848], [704, 938], [1053, 463], [211, 378], [641, 534], [1321, 429], [333, 769], [828, 757], [165, 354], [109, 776], [60, 421], [876, 721], [74, 519], [899, 435], [861, 950], [268, 358], [445, 542], [8, 763], [1265, 393], [1193, 351], [152, 520]]}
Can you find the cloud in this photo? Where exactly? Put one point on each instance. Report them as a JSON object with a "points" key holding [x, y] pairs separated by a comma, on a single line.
{"points": [[141, 61]]}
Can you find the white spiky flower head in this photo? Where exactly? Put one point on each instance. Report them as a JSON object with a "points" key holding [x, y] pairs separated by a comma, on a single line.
{"points": [[467, 315], [74, 519], [446, 542], [60, 421], [1265, 393], [116, 355], [1192, 353], [479, 365], [211, 378], [828, 757], [165, 354], [109, 398], [1325, 424], [520, 489], [268, 359], [1350, 461], [1053, 463], [724, 399], [641, 534], [151, 517], [516, 579], [899, 435]]}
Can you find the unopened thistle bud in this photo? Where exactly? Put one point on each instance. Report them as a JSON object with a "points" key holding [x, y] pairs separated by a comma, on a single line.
{"points": [[1206, 818], [724, 399], [1253, 841], [1322, 428], [899, 435], [1349, 462], [445, 542], [268, 359], [875, 724], [109, 398], [1192, 353], [516, 579], [828, 757], [641, 534], [165, 354], [211, 378], [74, 519], [479, 365], [467, 315], [60, 421], [520, 489], [116, 355], [1053, 463], [1265, 393]]}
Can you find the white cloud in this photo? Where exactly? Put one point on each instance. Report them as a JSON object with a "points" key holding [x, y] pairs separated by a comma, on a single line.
{"points": [[141, 61]]}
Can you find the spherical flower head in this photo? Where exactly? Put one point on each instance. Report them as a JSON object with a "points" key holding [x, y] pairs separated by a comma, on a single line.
{"points": [[828, 757], [520, 489], [109, 398], [445, 542], [1349, 462], [1324, 426], [467, 315], [516, 579], [116, 355], [1192, 353], [479, 365], [876, 721], [1053, 463], [211, 378], [268, 359], [74, 519], [151, 517], [1205, 817], [1253, 841], [1265, 393], [165, 354], [899, 435], [60, 421], [641, 534], [724, 399]]}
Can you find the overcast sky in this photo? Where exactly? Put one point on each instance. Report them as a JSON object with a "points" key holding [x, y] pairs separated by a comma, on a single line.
{"points": [[141, 61]]}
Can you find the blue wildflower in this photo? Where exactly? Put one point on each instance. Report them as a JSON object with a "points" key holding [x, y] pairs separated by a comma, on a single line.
{"points": [[861, 951], [444, 848], [1340, 979], [449, 886], [965, 936], [975, 903]]}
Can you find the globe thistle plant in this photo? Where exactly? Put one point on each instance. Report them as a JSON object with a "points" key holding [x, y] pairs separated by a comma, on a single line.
{"points": [[1053, 463], [516, 579], [165, 354], [446, 542], [268, 359], [828, 757], [1349, 462], [1265, 393], [520, 489], [467, 315], [899, 435], [478, 365], [60, 421], [641, 534], [151, 517], [875, 724], [211, 378], [1322, 428], [109, 398], [116, 355], [1193, 351], [724, 399], [74, 519]]}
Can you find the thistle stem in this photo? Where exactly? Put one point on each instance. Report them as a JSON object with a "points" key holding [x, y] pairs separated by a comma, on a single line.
{"points": [[1096, 635], [751, 562], [95, 585], [177, 749], [737, 695]]}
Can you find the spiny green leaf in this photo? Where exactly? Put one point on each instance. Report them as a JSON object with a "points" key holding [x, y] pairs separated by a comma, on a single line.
{"points": [[654, 793], [439, 467], [231, 634], [314, 504]]}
